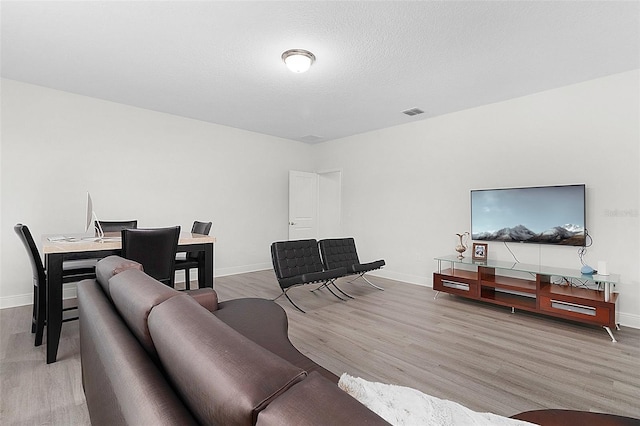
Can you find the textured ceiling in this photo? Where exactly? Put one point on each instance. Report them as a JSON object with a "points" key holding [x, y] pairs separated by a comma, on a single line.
{"points": [[220, 61]]}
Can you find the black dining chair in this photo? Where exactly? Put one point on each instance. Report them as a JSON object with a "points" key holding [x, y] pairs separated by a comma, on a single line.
{"points": [[116, 226], [72, 271], [155, 249], [190, 260]]}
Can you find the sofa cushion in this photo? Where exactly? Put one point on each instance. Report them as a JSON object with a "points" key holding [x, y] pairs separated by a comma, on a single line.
{"points": [[134, 295], [316, 401], [228, 379], [110, 266]]}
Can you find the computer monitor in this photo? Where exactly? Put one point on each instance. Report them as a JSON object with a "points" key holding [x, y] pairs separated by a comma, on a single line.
{"points": [[92, 223], [89, 225]]}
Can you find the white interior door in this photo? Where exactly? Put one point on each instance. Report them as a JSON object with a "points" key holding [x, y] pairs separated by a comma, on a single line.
{"points": [[303, 205]]}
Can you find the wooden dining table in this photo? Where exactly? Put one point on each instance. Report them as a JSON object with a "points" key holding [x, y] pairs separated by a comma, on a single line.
{"points": [[56, 250]]}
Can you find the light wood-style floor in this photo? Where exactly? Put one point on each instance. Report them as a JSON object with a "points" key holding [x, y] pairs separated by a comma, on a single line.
{"points": [[479, 355]]}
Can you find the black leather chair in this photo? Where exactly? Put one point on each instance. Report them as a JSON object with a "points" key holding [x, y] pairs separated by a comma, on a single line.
{"points": [[341, 252], [298, 262], [190, 260], [71, 272], [155, 249], [117, 226]]}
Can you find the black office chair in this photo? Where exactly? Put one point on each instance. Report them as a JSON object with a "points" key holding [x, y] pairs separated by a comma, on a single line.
{"points": [[117, 226], [189, 260], [71, 272], [155, 249]]}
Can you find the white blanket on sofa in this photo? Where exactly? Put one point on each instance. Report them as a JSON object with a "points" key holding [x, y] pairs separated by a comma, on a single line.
{"points": [[401, 405]]}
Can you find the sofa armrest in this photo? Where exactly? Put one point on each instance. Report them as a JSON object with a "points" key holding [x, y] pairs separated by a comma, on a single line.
{"points": [[207, 297]]}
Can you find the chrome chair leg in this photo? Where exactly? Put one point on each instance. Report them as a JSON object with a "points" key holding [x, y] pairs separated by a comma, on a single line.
{"points": [[320, 287], [340, 290], [370, 283], [326, 285], [332, 292], [292, 302], [367, 281], [284, 293]]}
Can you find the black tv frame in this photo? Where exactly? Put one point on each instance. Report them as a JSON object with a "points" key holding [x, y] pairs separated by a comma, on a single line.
{"points": [[520, 232]]}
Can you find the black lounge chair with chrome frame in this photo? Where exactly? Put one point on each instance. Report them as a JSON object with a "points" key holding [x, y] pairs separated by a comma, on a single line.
{"points": [[298, 262], [342, 253]]}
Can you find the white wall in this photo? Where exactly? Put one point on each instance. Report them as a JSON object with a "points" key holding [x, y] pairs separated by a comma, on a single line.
{"points": [[406, 189], [160, 169], [329, 205]]}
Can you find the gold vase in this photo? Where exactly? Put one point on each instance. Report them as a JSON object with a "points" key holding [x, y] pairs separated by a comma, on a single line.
{"points": [[461, 247]]}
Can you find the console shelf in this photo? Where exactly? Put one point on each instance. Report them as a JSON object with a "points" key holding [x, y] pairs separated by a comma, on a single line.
{"points": [[530, 288]]}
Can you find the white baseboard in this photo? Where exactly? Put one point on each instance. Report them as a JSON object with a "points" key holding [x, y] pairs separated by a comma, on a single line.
{"points": [[629, 320], [223, 272], [68, 292], [18, 300], [405, 278]]}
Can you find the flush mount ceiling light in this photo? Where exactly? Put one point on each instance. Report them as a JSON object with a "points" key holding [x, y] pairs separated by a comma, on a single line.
{"points": [[413, 111], [298, 60]]}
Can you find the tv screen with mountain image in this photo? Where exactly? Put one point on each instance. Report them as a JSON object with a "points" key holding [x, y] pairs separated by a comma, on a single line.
{"points": [[542, 215]]}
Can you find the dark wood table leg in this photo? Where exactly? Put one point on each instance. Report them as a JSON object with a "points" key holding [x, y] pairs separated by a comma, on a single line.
{"points": [[205, 266], [53, 265]]}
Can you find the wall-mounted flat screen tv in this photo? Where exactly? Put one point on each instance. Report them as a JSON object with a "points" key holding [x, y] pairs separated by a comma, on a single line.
{"points": [[542, 215]]}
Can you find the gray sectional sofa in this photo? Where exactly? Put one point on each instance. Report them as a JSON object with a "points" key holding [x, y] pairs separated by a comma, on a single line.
{"points": [[154, 355]]}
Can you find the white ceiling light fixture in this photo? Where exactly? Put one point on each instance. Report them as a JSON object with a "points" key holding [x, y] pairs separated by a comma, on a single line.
{"points": [[298, 60]]}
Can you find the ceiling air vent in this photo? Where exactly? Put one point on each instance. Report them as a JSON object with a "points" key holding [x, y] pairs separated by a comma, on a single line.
{"points": [[413, 111], [311, 139]]}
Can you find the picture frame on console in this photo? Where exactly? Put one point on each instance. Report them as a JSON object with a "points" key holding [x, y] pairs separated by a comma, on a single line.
{"points": [[480, 251]]}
